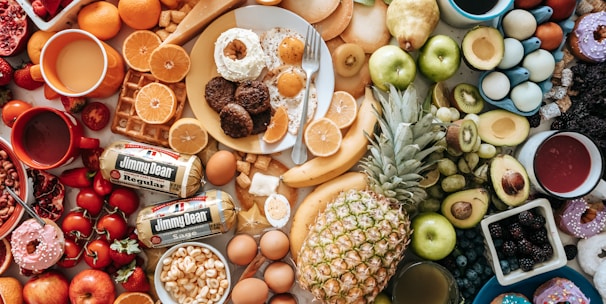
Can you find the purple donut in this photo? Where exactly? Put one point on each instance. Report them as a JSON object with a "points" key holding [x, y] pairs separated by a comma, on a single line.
{"points": [[580, 218]]}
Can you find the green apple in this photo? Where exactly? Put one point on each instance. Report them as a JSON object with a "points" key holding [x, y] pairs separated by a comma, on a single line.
{"points": [[391, 64], [433, 236], [439, 58], [382, 298]]}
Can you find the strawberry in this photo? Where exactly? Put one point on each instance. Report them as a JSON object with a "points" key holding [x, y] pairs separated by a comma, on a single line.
{"points": [[39, 8], [132, 278], [73, 104], [124, 251], [23, 78], [6, 72], [52, 6]]}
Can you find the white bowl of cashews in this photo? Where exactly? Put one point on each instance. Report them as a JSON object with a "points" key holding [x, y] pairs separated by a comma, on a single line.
{"points": [[192, 272]]}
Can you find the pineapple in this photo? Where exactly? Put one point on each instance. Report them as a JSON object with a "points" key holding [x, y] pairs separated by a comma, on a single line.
{"points": [[354, 247]]}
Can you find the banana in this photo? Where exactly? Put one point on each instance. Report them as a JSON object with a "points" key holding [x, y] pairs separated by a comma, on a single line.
{"points": [[353, 146], [315, 203]]}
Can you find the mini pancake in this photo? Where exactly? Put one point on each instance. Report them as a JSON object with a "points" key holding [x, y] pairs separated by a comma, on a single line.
{"points": [[337, 22], [311, 10], [367, 27]]}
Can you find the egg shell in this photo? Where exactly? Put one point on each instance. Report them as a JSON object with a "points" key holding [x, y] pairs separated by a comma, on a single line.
{"points": [[221, 168], [519, 24], [283, 298], [242, 249], [496, 85], [540, 64], [277, 204], [250, 291], [514, 53], [279, 276], [526, 96], [274, 244]]}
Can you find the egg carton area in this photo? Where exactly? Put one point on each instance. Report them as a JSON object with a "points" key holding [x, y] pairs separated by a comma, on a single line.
{"points": [[526, 66]]}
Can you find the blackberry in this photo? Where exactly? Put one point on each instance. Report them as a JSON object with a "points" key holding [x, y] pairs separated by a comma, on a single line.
{"points": [[496, 230], [571, 251], [526, 217], [534, 120], [537, 254], [547, 250], [538, 222], [525, 246], [539, 236], [526, 264], [515, 230], [509, 248]]}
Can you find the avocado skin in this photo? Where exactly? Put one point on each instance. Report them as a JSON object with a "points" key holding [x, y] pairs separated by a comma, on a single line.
{"points": [[509, 180]]}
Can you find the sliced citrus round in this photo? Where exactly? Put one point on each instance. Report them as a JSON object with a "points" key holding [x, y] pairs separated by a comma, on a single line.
{"points": [[323, 137], [134, 297], [137, 49], [430, 178], [187, 135], [6, 257], [439, 95], [169, 63], [155, 103], [278, 126], [343, 109]]}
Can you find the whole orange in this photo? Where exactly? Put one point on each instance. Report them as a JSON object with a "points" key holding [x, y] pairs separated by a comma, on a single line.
{"points": [[36, 43], [140, 14], [100, 18]]}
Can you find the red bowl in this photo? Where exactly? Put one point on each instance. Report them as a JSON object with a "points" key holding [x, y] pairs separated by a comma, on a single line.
{"points": [[7, 226]]}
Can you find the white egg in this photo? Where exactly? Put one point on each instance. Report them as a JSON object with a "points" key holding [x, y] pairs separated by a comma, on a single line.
{"points": [[519, 24], [282, 46], [514, 52], [286, 86], [540, 64], [496, 85], [277, 210], [526, 96]]}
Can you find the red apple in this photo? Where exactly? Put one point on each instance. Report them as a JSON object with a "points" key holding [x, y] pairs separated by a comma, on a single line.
{"points": [[92, 286], [526, 4], [562, 9], [50, 287]]}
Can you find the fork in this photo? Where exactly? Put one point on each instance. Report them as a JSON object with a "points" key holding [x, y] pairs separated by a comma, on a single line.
{"points": [[311, 65]]}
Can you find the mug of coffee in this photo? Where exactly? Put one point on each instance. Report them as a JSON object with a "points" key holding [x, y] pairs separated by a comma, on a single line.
{"points": [[46, 138], [75, 63], [563, 164], [467, 13]]}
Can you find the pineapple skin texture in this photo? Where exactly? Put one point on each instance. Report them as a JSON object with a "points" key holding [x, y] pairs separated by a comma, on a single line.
{"points": [[354, 248]]}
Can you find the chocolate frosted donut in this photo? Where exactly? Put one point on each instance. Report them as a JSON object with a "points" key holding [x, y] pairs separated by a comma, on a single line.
{"points": [[588, 38], [580, 218]]}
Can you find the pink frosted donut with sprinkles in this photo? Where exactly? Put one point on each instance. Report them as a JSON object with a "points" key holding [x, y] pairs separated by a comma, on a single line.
{"points": [[588, 38], [36, 247], [559, 290], [580, 218]]}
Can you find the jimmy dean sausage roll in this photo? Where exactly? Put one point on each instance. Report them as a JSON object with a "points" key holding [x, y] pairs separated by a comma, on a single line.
{"points": [[205, 214], [139, 165]]}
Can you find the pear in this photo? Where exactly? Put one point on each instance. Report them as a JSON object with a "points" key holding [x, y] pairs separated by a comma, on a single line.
{"points": [[412, 21]]}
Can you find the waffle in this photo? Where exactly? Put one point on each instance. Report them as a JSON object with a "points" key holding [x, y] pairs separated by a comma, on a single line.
{"points": [[127, 122]]}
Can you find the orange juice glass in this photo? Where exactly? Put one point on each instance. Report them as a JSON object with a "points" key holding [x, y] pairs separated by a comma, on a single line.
{"points": [[75, 63]]}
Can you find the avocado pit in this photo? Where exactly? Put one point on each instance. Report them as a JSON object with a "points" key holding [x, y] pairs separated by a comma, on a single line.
{"points": [[461, 210]]}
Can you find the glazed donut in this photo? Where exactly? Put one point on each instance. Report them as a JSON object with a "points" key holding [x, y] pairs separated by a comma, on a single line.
{"points": [[580, 218], [559, 290], [587, 40], [599, 280], [590, 251], [510, 298], [37, 248]]}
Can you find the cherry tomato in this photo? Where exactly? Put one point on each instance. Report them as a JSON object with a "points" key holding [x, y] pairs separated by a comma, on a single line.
{"points": [[95, 115], [12, 109], [72, 254], [90, 201], [76, 225], [113, 226], [97, 254], [90, 158], [125, 199], [102, 186]]}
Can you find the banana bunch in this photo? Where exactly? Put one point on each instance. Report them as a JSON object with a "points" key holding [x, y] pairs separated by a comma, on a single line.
{"points": [[353, 147]]}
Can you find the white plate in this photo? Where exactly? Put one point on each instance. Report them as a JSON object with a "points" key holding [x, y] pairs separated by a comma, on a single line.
{"points": [[203, 68]]}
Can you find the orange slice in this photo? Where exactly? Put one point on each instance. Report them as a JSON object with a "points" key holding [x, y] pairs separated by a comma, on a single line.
{"points": [[134, 297], [6, 257], [323, 137], [169, 63], [343, 109], [137, 49], [278, 126], [155, 103], [187, 135]]}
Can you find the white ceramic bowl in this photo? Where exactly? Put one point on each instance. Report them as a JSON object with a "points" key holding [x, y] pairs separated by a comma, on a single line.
{"points": [[66, 18], [24, 191], [163, 294], [557, 260]]}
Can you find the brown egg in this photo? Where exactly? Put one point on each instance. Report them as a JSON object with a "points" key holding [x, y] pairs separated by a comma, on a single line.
{"points": [[250, 291], [550, 34], [274, 244], [283, 298], [279, 276], [221, 168], [241, 249]]}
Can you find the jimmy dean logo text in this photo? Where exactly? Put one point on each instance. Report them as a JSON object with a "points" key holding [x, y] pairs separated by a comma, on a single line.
{"points": [[197, 217], [146, 167]]}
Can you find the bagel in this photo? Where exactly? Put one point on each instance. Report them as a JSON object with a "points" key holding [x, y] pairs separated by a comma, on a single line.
{"points": [[590, 253], [333, 25]]}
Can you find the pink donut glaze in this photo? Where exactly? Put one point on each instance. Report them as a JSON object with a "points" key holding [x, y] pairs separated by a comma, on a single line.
{"points": [[589, 47], [49, 249], [569, 219], [559, 290]]}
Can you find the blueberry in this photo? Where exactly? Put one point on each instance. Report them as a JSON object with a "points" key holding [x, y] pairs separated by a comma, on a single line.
{"points": [[466, 283], [460, 233], [456, 273], [472, 255], [465, 243], [470, 234], [471, 274], [505, 266], [497, 243], [462, 261], [478, 267], [514, 264]]}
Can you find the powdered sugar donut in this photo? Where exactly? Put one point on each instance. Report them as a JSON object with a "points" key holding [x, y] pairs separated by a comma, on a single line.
{"points": [[35, 247], [590, 251], [599, 280], [581, 218]]}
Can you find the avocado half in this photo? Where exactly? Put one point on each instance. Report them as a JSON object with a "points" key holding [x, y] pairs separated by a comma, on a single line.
{"points": [[509, 180], [503, 128], [483, 47], [466, 208]]}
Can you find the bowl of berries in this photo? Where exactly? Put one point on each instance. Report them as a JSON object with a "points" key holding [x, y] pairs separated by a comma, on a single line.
{"points": [[53, 15], [523, 242]]}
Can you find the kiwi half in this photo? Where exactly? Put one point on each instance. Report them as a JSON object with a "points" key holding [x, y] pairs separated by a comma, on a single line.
{"points": [[466, 98], [461, 135], [348, 59]]}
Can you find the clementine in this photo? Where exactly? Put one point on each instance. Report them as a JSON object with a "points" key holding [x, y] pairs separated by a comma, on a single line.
{"points": [[36, 43], [100, 18], [140, 14]]}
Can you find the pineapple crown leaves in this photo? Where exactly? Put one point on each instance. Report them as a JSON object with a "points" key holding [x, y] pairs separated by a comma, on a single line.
{"points": [[128, 246]]}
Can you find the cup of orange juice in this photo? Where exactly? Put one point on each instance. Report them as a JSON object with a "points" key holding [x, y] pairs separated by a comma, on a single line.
{"points": [[75, 63]]}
